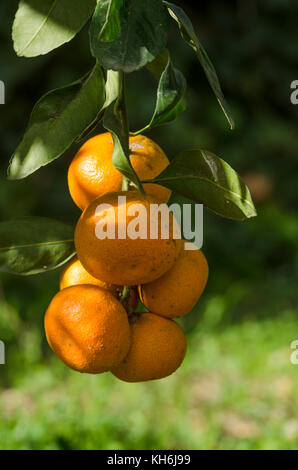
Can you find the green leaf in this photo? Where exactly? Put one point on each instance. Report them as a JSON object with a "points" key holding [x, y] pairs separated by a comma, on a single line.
{"points": [[32, 245], [112, 91], [112, 122], [207, 179], [144, 33], [110, 9], [112, 87], [43, 25], [189, 35], [56, 121], [157, 66], [170, 97]]}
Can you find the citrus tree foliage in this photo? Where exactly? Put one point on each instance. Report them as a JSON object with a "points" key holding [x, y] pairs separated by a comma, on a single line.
{"points": [[125, 36], [41, 26]]}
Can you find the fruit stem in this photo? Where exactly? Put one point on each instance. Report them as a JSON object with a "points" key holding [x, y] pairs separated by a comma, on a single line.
{"points": [[125, 183], [123, 113], [122, 109], [125, 293]]}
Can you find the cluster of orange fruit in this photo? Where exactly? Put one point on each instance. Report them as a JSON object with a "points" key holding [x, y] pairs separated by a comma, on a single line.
{"points": [[92, 324]]}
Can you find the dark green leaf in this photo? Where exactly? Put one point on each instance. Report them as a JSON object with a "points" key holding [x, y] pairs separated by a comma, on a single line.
{"points": [[112, 90], [32, 245], [85, 134], [43, 25], [207, 179], [144, 33], [157, 66], [56, 121], [189, 35], [110, 10], [170, 94], [112, 122]]}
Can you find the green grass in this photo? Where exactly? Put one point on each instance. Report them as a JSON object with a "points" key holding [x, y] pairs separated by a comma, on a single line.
{"points": [[237, 389]]}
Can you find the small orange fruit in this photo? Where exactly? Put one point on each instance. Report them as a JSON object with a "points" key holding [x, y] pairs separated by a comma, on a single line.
{"points": [[177, 291], [92, 174], [87, 328], [104, 243], [158, 347], [74, 274]]}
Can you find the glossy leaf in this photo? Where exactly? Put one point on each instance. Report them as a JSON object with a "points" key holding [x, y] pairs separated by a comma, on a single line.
{"points": [[170, 95], [144, 33], [112, 122], [112, 87], [43, 25], [32, 245], [111, 13], [56, 121], [111, 93], [207, 179], [189, 35]]}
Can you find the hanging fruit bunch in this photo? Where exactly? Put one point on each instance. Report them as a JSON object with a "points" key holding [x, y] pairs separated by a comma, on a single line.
{"points": [[94, 323]]}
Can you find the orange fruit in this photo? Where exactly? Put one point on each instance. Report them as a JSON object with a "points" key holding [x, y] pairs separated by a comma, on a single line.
{"points": [[92, 174], [157, 349], [87, 328], [74, 274], [177, 291], [123, 260]]}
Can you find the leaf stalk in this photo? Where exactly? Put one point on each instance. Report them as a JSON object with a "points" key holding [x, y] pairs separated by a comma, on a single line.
{"points": [[121, 109]]}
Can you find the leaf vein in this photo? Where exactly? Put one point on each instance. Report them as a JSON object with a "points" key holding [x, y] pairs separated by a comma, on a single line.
{"points": [[32, 245], [40, 27], [204, 179]]}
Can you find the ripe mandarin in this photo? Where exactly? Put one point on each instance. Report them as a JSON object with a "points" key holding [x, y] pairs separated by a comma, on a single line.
{"points": [[176, 292], [92, 174], [158, 347], [87, 328], [106, 247]]}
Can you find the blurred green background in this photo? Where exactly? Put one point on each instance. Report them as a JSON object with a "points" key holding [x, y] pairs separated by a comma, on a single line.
{"points": [[237, 388]]}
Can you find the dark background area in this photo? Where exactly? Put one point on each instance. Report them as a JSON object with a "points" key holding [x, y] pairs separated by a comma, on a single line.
{"points": [[248, 314]]}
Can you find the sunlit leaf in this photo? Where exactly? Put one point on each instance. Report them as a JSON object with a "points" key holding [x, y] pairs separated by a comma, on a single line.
{"points": [[207, 179], [56, 121], [43, 25], [111, 13]]}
